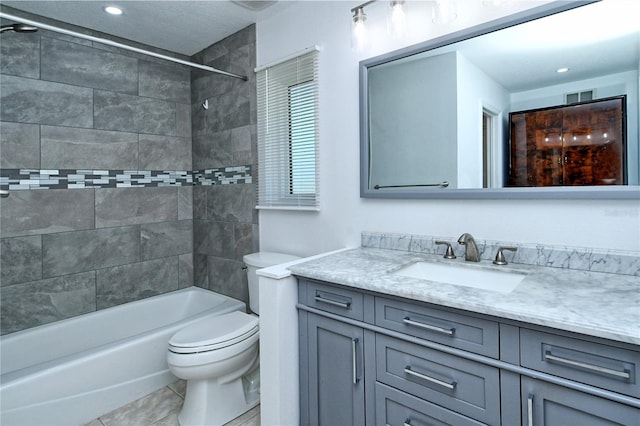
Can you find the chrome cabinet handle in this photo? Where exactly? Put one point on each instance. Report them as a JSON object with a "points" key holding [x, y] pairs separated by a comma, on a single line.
{"points": [[616, 373], [346, 305], [447, 331], [354, 358], [530, 410], [447, 385]]}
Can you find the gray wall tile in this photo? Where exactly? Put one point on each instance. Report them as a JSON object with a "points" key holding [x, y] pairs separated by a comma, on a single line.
{"points": [[70, 252], [210, 151], [200, 202], [164, 153], [40, 302], [71, 148], [20, 259], [73, 63], [231, 203], [46, 211], [166, 239], [183, 120], [20, 54], [213, 238], [19, 145], [127, 283], [227, 277], [200, 270], [244, 142], [165, 81], [243, 236], [127, 113], [185, 270], [185, 202], [34, 101], [132, 206]]}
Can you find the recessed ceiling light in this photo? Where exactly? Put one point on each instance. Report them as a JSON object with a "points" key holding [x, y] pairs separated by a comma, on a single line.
{"points": [[112, 10], [563, 69]]}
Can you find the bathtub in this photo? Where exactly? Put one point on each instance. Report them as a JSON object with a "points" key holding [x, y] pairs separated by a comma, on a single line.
{"points": [[70, 372]]}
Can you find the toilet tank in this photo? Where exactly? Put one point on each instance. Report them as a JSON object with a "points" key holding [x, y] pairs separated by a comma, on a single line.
{"points": [[255, 261]]}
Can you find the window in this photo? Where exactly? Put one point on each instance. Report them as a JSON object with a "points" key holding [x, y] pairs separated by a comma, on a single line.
{"points": [[288, 134]]}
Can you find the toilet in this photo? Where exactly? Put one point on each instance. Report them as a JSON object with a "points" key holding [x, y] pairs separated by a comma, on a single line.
{"points": [[218, 357]]}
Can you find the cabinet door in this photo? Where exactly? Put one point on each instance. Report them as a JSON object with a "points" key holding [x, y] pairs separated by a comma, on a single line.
{"points": [[336, 373], [545, 404]]}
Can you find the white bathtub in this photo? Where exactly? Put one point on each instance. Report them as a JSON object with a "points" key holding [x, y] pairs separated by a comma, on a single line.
{"points": [[70, 372]]}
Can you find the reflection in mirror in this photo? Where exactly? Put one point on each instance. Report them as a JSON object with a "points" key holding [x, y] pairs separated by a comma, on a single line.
{"points": [[472, 110]]}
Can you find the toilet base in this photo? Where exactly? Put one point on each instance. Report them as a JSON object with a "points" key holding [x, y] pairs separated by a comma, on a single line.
{"points": [[210, 403]]}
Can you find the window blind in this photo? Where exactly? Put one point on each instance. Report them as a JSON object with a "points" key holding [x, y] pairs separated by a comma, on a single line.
{"points": [[288, 133]]}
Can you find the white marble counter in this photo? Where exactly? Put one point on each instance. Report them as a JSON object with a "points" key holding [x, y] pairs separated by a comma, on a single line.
{"points": [[594, 303]]}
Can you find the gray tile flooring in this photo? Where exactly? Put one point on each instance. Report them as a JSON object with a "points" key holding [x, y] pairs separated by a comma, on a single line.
{"points": [[161, 408]]}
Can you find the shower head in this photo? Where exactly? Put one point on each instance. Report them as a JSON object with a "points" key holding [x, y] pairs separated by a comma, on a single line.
{"points": [[19, 28]]}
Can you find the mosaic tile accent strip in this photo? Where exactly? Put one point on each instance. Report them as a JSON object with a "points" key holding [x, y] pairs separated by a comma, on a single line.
{"points": [[26, 179]]}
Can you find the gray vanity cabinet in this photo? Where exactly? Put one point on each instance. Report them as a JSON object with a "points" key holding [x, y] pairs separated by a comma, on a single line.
{"points": [[336, 382], [372, 359], [546, 404], [332, 370]]}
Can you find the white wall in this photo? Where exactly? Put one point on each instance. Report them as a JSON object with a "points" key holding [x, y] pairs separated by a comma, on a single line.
{"points": [[343, 214]]}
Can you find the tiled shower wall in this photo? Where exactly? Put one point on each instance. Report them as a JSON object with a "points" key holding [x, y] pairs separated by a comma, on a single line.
{"points": [[225, 220], [67, 103]]}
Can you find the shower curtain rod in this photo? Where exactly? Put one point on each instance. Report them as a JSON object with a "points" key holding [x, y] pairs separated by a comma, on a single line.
{"points": [[116, 44]]}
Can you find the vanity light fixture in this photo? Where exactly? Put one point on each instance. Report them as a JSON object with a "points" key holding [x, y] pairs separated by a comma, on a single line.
{"points": [[113, 10], [444, 11]]}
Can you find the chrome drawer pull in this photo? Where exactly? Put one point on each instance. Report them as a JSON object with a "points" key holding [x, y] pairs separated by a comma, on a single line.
{"points": [[530, 410], [409, 371], [624, 374], [346, 305], [447, 331], [354, 358]]}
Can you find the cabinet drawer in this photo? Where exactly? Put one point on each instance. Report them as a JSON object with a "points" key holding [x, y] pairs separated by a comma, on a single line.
{"points": [[337, 300], [460, 331], [464, 386], [596, 364], [395, 408]]}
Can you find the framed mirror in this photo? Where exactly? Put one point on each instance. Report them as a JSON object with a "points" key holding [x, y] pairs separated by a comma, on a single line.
{"points": [[444, 118]]}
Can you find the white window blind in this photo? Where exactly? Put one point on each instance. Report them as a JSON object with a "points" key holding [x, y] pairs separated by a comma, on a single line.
{"points": [[288, 133]]}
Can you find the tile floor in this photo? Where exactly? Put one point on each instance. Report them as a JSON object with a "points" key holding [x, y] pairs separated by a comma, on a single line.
{"points": [[161, 408]]}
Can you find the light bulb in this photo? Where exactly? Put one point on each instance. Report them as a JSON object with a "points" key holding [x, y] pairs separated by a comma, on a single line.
{"points": [[359, 31], [444, 11], [397, 19]]}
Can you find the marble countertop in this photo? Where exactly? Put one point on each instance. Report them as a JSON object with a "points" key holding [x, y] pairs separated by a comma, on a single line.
{"points": [[594, 303]]}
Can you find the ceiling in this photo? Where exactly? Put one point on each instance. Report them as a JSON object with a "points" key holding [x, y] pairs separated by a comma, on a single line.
{"points": [[185, 27], [189, 26]]}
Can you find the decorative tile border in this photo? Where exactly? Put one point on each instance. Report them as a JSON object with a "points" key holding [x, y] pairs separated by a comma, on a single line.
{"points": [[586, 259], [26, 179]]}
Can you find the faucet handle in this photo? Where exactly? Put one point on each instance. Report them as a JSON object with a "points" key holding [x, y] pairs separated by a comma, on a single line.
{"points": [[500, 260], [449, 253]]}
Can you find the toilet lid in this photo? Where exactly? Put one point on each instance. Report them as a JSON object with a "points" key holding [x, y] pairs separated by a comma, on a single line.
{"points": [[214, 332]]}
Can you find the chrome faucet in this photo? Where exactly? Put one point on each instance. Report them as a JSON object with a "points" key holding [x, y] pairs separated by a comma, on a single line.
{"points": [[470, 247]]}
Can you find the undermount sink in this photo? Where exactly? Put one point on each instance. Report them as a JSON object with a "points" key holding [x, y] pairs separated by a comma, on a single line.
{"points": [[463, 275]]}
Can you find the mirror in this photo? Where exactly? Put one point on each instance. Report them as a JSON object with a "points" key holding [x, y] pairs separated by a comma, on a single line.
{"points": [[436, 118]]}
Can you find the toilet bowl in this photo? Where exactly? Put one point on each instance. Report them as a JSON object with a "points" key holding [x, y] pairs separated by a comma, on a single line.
{"points": [[218, 357]]}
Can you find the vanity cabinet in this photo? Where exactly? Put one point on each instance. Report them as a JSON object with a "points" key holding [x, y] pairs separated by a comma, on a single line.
{"points": [[577, 144], [373, 359], [336, 385]]}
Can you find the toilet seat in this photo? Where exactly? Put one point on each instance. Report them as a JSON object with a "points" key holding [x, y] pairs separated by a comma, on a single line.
{"points": [[214, 333]]}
